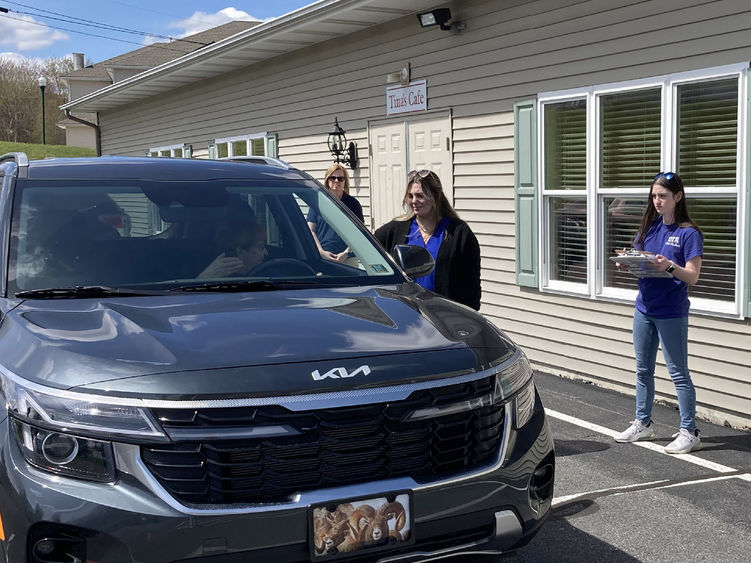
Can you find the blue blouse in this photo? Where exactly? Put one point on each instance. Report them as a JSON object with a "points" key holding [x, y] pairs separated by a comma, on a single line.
{"points": [[434, 243]]}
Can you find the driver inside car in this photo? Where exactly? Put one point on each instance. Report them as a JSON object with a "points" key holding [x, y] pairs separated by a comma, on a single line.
{"points": [[246, 249]]}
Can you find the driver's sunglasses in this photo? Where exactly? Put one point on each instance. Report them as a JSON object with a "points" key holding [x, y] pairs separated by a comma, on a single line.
{"points": [[336, 178], [418, 173], [668, 175]]}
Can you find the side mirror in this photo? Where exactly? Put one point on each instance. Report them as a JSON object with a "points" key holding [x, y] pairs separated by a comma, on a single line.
{"points": [[416, 261]]}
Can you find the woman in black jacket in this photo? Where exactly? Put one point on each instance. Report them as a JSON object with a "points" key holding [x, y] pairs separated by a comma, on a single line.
{"points": [[431, 222]]}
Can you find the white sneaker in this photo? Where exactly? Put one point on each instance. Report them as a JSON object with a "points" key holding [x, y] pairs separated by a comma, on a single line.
{"points": [[637, 431], [684, 443]]}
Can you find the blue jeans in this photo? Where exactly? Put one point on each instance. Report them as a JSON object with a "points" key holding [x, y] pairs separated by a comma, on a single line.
{"points": [[673, 335]]}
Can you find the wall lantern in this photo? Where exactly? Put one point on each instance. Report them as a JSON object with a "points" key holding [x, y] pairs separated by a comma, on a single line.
{"points": [[341, 151], [439, 17]]}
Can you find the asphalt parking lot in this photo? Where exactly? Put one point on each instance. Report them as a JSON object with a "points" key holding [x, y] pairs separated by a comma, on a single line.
{"points": [[632, 502]]}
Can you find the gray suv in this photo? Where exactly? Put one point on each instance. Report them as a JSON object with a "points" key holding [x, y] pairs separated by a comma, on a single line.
{"points": [[184, 378]]}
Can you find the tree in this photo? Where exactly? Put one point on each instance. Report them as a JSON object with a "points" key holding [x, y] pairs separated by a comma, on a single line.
{"points": [[20, 99]]}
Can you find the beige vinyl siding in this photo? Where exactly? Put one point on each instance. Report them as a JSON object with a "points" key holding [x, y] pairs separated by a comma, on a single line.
{"points": [[510, 50]]}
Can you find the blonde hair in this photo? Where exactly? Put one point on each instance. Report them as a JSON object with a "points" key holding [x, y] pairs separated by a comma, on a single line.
{"points": [[331, 170]]}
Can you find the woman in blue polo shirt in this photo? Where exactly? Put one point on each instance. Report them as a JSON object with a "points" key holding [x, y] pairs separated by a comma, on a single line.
{"points": [[662, 305], [330, 245]]}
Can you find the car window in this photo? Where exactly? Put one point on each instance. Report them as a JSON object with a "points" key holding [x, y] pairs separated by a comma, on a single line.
{"points": [[163, 234]]}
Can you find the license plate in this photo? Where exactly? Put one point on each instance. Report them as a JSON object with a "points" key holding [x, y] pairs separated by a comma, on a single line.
{"points": [[354, 526]]}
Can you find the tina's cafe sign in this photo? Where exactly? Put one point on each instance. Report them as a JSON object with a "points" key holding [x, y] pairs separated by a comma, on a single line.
{"points": [[405, 99]]}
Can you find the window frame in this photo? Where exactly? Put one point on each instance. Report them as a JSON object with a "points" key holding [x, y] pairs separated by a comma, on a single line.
{"points": [[595, 196], [185, 151], [248, 145]]}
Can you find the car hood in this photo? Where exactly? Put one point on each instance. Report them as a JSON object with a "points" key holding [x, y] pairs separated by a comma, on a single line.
{"points": [[245, 344]]}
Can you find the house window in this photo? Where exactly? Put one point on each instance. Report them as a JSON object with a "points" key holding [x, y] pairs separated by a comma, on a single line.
{"points": [[599, 150], [258, 144], [171, 151]]}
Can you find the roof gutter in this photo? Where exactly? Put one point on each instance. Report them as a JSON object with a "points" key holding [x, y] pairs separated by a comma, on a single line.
{"points": [[97, 131]]}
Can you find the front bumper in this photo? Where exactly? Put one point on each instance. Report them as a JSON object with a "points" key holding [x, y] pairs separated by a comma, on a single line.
{"points": [[131, 521]]}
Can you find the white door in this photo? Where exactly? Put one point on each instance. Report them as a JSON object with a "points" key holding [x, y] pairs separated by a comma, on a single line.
{"points": [[429, 148], [401, 146], [388, 172]]}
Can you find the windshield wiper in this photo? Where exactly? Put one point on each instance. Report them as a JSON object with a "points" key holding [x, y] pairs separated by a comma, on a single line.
{"points": [[82, 291], [252, 285], [255, 285]]}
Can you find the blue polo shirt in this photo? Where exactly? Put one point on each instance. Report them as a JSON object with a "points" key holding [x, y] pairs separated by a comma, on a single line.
{"points": [[326, 235], [667, 298]]}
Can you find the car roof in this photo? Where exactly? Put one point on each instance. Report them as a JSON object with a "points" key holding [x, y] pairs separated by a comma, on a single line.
{"points": [[150, 168]]}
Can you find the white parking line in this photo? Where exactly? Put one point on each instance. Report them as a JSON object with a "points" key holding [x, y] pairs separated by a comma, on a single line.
{"points": [[648, 445], [612, 490], [654, 485]]}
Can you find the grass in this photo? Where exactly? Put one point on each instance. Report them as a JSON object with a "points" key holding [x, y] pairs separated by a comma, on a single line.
{"points": [[37, 152]]}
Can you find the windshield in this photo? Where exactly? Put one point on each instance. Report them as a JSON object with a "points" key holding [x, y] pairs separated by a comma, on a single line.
{"points": [[165, 235]]}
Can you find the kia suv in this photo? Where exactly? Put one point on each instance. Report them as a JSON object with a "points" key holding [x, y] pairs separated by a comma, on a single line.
{"points": [[184, 378]]}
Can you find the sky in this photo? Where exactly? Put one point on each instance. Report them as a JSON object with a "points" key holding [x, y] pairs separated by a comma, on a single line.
{"points": [[43, 29]]}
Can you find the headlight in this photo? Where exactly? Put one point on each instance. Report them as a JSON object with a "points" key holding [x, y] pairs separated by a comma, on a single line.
{"points": [[65, 454], [68, 412], [57, 430], [509, 380]]}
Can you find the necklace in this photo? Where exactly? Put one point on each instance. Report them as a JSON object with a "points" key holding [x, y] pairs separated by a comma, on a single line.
{"points": [[425, 232]]}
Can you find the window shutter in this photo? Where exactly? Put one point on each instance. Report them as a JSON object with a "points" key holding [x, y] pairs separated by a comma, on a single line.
{"points": [[272, 145], [525, 191]]}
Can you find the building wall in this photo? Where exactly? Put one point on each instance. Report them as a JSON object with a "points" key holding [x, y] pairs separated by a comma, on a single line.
{"points": [[80, 136], [119, 74], [510, 50], [80, 87]]}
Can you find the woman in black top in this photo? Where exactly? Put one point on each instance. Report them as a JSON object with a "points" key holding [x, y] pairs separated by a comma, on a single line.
{"points": [[431, 222], [330, 244]]}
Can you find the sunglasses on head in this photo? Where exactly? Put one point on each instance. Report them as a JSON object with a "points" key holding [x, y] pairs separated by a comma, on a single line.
{"points": [[336, 178], [668, 175], [418, 174]]}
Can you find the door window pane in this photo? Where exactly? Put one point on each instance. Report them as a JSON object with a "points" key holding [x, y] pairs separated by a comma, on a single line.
{"points": [[708, 132], [630, 138]]}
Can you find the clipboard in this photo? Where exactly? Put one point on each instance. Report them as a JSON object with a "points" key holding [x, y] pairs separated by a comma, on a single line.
{"points": [[638, 264]]}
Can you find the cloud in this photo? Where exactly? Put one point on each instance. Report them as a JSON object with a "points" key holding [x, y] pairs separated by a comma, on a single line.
{"points": [[23, 33], [201, 21]]}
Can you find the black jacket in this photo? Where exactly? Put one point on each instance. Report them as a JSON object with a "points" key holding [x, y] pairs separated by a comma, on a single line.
{"points": [[457, 265]]}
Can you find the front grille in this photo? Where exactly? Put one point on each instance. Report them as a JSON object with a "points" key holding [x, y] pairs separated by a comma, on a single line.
{"points": [[339, 446]]}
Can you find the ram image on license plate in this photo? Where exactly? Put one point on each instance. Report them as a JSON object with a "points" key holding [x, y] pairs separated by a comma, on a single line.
{"points": [[367, 524]]}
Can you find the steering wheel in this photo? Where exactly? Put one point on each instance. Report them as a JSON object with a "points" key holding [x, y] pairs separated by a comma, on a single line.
{"points": [[282, 267]]}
